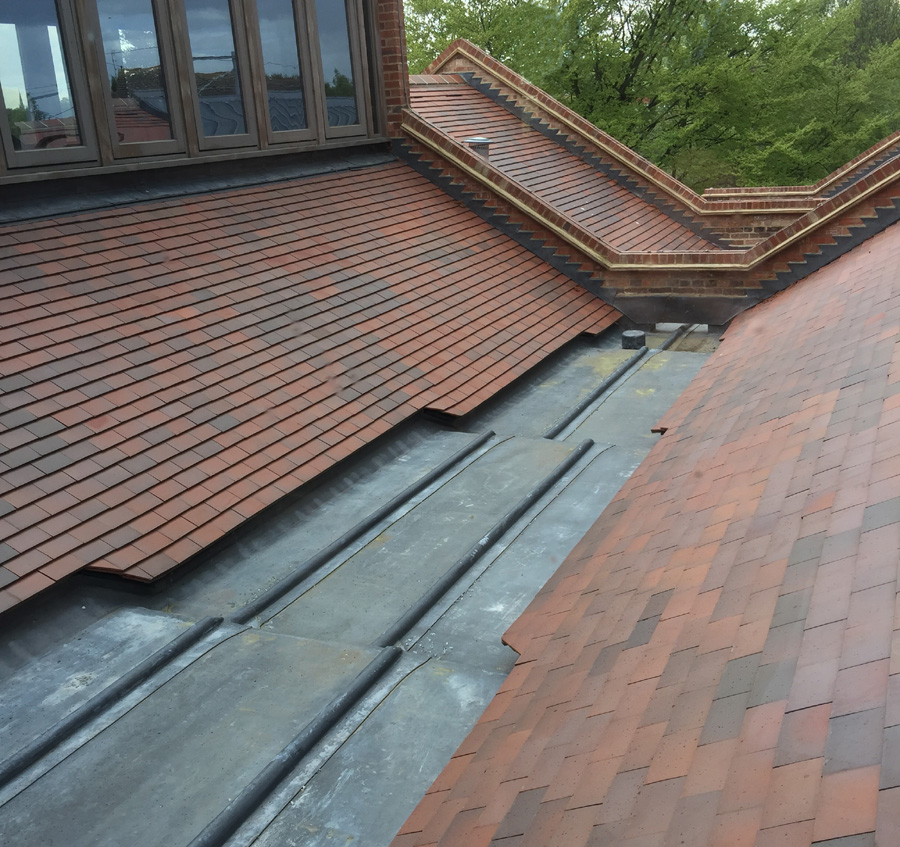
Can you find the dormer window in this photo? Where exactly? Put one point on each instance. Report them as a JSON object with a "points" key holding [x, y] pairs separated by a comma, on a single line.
{"points": [[286, 69], [223, 108], [338, 72], [97, 81], [137, 67]]}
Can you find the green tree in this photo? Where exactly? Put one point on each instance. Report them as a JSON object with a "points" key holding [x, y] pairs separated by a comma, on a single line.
{"points": [[656, 73], [525, 34], [823, 90], [719, 92], [340, 86]]}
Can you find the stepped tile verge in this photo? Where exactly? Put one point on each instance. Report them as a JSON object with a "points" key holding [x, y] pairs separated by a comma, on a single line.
{"points": [[713, 664], [171, 369], [854, 206], [854, 169]]}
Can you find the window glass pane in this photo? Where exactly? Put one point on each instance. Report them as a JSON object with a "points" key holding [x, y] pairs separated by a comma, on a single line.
{"points": [[36, 90], [337, 69], [134, 70], [215, 67], [281, 61]]}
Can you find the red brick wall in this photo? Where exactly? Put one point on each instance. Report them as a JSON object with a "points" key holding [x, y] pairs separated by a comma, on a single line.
{"points": [[392, 34], [747, 230]]}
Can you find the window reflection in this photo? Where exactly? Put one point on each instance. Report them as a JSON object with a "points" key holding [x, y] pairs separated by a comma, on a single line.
{"points": [[284, 82], [36, 90], [337, 67], [215, 67], [134, 70]]}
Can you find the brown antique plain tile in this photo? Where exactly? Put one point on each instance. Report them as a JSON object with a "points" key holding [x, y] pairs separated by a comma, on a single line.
{"points": [[773, 730], [149, 390], [538, 165], [848, 804]]}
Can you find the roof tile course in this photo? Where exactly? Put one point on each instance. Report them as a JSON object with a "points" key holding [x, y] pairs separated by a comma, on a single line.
{"points": [[465, 59], [171, 369], [538, 164], [714, 664]]}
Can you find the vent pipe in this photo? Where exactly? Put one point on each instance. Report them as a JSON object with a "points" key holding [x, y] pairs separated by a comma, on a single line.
{"points": [[634, 339], [480, 145]]}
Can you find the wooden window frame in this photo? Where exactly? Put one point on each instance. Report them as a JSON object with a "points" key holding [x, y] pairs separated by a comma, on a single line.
{"points": [[374, 61], [302, 38], [360, 66], [203, 142], [82, 48], [359, 62], [88, 150], [102, 96]]}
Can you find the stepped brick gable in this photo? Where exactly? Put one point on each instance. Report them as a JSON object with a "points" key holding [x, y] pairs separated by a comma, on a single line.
{"points": [[662, 251]]}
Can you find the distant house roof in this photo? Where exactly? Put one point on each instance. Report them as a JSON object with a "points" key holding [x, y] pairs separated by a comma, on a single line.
{"points": [[713, 664], [174, 367]]}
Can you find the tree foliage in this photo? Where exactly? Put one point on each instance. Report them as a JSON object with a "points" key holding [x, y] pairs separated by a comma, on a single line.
{"points": [[718, 92], [520, 33]]}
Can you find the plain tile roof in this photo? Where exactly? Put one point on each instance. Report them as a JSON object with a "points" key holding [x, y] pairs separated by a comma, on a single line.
{"points": [[713, 664], [172, 368], [605, 207]]}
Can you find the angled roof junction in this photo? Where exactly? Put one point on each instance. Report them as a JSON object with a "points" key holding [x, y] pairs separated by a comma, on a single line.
{"points": [[752, 244], [174, 368]]}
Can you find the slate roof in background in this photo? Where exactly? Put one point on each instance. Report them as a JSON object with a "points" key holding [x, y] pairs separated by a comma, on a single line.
{"points": [[714, 664], [172, 368], [606, 207]]}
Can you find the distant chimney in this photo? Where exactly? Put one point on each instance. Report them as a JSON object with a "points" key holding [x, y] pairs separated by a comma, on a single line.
{"points": [[479, 145]]}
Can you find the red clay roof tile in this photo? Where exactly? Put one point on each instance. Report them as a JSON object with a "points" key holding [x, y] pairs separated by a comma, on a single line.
{"points": [[172, 368], [720, 646], [615, 213]]}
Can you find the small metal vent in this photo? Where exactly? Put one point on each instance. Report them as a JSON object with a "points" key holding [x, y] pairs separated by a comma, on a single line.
{"points": [[479, 145]]}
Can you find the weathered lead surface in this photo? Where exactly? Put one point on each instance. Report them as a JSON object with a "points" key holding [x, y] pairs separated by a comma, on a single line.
{"points": [[45, 691], [169, 763], [370, 591], [276, 545], [542, 397], [160, 773], [361, 796]]}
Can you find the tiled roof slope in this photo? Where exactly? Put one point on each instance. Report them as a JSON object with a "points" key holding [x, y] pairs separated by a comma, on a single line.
{"points": [[772, 248], [716, 663], [172, 368], [485, 72], [603, 206]]}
